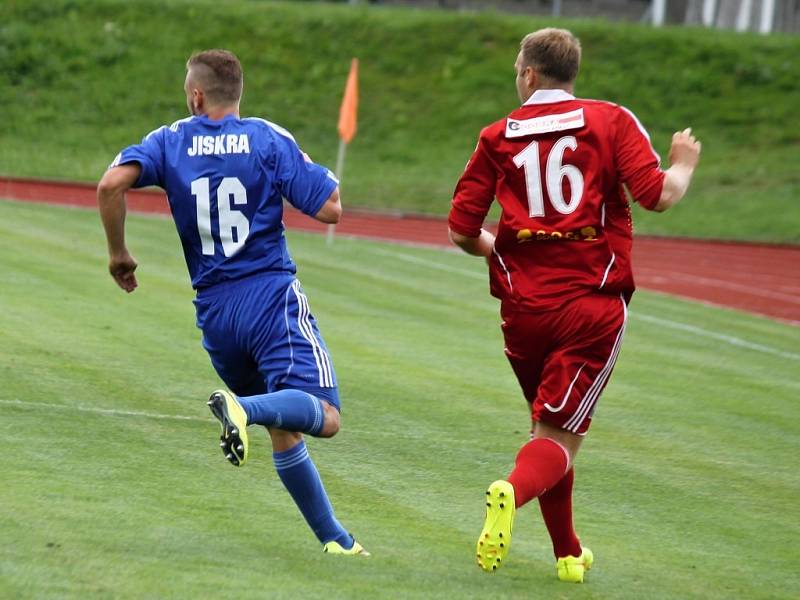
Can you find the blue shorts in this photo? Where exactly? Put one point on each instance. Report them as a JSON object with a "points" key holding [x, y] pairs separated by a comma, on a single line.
{"points": [[262, 337]]}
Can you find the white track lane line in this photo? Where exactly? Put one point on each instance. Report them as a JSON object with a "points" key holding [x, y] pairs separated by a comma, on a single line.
{"points": [[727, 285]]}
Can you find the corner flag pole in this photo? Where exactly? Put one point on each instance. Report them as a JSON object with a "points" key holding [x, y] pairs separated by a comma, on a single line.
{"points": [[347, 125]]}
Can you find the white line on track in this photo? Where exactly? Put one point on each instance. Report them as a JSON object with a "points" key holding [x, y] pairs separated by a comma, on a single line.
{"points": [[730, 285], [668, 323]]}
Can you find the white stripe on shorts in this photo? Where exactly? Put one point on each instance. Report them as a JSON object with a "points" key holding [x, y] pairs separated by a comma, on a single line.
{"points": [[307, 331], [586, 405], [327, 370], [288, 333], [505, 268], [608, 268]]}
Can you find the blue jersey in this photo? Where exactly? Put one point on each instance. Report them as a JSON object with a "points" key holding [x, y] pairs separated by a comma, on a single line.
{"points": [[225, 182]]}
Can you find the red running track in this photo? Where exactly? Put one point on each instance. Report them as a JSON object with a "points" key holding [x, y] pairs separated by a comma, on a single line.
{"points": [[759, 278]]}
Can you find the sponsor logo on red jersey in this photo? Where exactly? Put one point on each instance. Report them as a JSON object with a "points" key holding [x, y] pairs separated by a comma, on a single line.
{"points": [[546, 124]]}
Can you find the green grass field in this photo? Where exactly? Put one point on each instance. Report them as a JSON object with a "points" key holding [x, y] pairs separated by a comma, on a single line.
{"points": [[114, 486], [82, 80]]}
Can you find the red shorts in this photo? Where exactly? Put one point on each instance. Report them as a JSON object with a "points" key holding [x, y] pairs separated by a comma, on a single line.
{"points": [[563, 358]]}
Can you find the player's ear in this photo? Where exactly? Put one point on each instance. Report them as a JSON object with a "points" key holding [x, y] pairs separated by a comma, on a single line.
{"points": [[531, 77], [198, 99]]}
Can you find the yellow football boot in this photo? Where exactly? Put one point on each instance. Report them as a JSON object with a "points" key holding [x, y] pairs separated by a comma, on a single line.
{"points": [[573, 569], [495, 539], [233, 441], [336, 548]]}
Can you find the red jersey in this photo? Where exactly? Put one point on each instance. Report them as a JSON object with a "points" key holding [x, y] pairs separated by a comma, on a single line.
{"points": [[557, 166]]}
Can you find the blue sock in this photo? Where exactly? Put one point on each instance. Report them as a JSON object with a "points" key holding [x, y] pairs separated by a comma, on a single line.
{"points": [[300, 476], [290, 410]]}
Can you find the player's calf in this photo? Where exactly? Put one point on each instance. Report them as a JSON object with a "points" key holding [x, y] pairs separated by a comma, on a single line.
{"points": [[290, 410]]}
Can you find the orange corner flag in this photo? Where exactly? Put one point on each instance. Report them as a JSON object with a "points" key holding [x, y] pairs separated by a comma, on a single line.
{"points": [[349, 108]]}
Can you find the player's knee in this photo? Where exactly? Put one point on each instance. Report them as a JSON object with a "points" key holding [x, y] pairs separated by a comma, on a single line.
{"points": [[331, 426], [283, 440]]}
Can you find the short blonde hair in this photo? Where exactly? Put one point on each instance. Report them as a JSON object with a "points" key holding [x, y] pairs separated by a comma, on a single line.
{"points": [[553, 53]]}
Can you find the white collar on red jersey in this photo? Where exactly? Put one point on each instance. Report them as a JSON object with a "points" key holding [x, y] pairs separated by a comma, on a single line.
{"points": [[548, 97]]}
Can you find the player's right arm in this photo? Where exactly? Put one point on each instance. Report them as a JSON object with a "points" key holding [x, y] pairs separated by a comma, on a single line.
{"points": [[639, 169], [331, 211], [309, 187], [684, 155], [111, 203]]}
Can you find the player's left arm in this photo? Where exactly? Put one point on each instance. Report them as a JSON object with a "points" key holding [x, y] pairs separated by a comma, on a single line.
{"points": [[136, 166], [473, 196], [111, 204], [477, 246]]}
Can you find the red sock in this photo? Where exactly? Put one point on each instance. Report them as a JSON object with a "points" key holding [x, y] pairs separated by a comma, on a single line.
{"points": [[556, 505], [540, 465]]}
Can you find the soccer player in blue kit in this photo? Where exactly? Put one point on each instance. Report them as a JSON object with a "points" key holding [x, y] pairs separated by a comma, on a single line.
{"points": [[225, 178]]}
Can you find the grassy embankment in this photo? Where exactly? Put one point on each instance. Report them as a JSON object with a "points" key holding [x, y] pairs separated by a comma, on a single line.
{"points": [[81, 80]]}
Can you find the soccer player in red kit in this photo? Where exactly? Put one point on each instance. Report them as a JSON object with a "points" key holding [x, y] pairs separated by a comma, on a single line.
{"points": [[562, 169]]}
